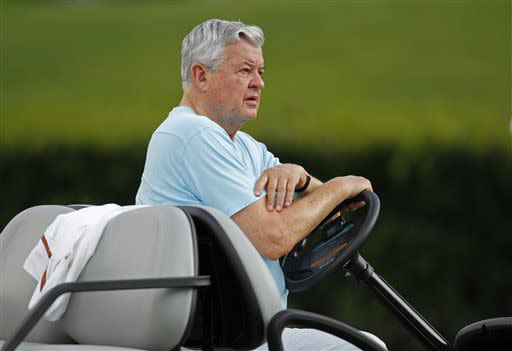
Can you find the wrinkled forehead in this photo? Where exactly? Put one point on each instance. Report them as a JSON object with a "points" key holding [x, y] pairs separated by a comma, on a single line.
{"points": [[241, 52]]}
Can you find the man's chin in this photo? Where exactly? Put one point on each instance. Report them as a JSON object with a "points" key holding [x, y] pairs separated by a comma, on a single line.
{"points": [[250, 117], [250, 114]]}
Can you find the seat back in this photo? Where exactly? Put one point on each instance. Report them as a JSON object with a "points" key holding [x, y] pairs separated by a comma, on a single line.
{"points": [[245, 296], [16, 241], [151, 242]]}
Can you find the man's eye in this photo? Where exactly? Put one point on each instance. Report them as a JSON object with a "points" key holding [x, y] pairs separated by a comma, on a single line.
{"points": [[246, 70], [261, 73]]}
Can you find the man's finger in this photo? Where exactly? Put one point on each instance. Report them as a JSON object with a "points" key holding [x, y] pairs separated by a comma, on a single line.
{"points": [[271, 192], [281, 192], [260, 184], [353, 206], [290, 189]]}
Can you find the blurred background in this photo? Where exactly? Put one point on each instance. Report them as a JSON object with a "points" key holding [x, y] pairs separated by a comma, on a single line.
{"points": [[414, 95]]}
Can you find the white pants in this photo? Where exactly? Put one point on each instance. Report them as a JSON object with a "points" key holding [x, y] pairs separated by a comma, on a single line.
{"points": [[298, 339]]}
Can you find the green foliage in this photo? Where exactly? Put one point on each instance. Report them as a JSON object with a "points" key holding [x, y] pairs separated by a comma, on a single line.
{"points": [[443, 237], [347, 75]]}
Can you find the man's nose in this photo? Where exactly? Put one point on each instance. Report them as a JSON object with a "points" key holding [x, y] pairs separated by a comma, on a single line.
{"points": [[257, 81]]}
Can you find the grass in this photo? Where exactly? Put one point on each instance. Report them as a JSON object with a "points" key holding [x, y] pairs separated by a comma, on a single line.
{"points": [[340, 74]]}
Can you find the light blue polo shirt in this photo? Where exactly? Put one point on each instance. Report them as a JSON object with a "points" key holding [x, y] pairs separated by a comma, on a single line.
{"points": [[191, 160]]}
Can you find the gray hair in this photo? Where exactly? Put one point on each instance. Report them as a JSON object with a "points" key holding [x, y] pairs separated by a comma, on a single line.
{"points": [[206, 43]]}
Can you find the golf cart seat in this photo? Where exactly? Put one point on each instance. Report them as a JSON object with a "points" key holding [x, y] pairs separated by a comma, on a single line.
{"points": [[179, 277], [151, 242]]}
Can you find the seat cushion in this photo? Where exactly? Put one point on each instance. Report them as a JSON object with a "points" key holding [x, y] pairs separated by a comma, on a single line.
{"points": [[32, 346]]}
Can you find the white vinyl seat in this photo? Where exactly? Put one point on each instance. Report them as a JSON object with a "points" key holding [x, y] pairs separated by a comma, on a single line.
{"points": [[150, 242], [32, 346], [234, 305]]}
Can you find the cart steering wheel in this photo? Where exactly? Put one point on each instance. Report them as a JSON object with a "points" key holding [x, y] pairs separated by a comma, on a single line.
{"points": [[340, 242]]}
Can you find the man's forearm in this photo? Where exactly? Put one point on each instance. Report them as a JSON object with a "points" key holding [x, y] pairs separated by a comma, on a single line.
{"points": [[299, 220], [313, 184], [275, 233]]}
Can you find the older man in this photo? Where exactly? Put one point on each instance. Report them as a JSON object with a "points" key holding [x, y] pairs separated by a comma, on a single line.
{"points": [[199, 156]]}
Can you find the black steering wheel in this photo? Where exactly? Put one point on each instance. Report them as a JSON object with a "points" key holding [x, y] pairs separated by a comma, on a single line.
{"points": [[335, 243]]}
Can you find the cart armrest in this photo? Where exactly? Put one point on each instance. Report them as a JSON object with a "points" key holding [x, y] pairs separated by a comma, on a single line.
{"points": [[317, 321], [101, 285]]}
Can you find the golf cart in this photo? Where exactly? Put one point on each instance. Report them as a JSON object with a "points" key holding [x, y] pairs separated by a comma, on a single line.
{"points": [[168, 277]]}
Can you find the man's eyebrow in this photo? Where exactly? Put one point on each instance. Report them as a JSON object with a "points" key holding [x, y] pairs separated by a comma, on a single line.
{"points": [[249, 63]]}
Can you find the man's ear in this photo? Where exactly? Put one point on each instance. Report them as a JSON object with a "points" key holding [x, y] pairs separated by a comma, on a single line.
{"points": [[198, 72]]}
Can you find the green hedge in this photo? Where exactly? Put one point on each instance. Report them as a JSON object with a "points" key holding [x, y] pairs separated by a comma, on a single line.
{"points": [[443, 238]]}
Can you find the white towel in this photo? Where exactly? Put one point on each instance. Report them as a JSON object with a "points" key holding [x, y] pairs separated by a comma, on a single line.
{"points": [[64, 250]]}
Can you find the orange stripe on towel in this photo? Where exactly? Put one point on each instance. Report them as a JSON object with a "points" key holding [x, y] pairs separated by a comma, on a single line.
{"points": [[49, 253], [43, 280], [46, 246]]}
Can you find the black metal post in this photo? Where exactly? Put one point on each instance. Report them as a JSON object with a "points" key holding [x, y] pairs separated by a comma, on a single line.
{"points": [[406, 314], [128, 284]]}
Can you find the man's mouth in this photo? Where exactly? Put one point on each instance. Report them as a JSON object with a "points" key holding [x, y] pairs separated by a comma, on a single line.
{"points": [[251, 100]]}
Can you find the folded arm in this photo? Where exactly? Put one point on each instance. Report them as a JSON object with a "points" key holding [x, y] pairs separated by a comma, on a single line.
{"points": [[281, 182], [274, 233]]}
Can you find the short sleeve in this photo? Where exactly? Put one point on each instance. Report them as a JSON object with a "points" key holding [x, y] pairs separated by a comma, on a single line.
{"points": [[215, 173], [269, 160]]}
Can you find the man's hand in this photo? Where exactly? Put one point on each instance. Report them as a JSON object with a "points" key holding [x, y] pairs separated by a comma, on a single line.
{"points": [[281, 179], [275, 233], [354, 186]]}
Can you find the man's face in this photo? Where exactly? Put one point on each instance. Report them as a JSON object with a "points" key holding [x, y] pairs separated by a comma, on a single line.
{"points": [[234, 90]]}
